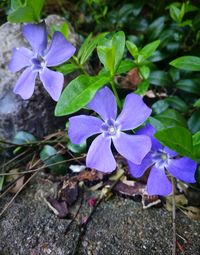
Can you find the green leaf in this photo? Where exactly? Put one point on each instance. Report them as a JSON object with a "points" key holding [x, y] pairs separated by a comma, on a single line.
{"points": [[125, 66], [23, 14], [155, 28], [111, 51], [132, 48], [159, 106], [177, 103], [196, 144], [36, 6], [175, 13], [78, 93], [189, 85], [160, 78], [189, 63], [88, 47], [171, 118], [197, 103], [144, 71], [194, 122], [77, 148], [23, 137], [142, 87], [148, 49], [178, 139], [67, 68], [49, 155], [15, 4]]}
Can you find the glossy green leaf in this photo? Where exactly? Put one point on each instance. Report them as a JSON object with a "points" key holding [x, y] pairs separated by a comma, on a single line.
{"points": [[189, 63], [77, 148], [196, 144], [148, 49], [189, 85], [160, 78], [36, 6], [67, 68], [171, 118], [111, 51], [175, 13], [132, 48], [125, 66], [178, 139], [23, 137], [159, 106], [23, 14], [88, 47], [144, 71], [78, 93], [197, 103], [177, 103], [51, 158], [194, 122], [142, 87]]}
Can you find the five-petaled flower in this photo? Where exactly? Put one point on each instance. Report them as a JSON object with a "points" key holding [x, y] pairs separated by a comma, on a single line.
{"points": [[38, 61], [109, 128], [161, 159]]}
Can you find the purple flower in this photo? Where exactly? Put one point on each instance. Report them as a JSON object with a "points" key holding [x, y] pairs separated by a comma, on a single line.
{"points": [[110, 127], [38, 61], [160, 159]]}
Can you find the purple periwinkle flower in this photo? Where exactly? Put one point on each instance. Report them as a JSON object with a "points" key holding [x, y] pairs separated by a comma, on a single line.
{"points": [[161, 159], [110, 129], [39, 59]]}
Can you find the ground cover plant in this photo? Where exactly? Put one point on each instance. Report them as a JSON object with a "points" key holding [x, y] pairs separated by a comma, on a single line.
{"points": [[133, 104]]}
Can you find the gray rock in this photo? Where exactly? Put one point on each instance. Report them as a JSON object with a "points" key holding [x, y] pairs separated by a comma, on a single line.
{"points": [[119, 227], [35, 115]]}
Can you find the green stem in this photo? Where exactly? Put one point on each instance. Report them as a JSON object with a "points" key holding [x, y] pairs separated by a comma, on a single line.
{"points": [[116, 95]]}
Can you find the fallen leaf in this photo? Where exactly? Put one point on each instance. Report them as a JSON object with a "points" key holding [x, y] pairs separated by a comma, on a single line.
{"points": [[58, 207]]}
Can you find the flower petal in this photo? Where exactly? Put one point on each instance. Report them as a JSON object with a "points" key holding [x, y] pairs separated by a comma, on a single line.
{"points": [[81, 127], [133, 147], [25, 84], [59, 51], [138, 170], [170, 152], [134, 112], [36, 35], [21, 57], [104, 103], [100, 156], [158, 183], [183, 169], [53, 82], [150, 131]]}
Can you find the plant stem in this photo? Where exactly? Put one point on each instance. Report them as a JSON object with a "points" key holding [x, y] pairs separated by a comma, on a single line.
{"points": [[115, 93]]}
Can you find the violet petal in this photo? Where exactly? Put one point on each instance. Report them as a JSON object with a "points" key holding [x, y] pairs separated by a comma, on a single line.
{"points": [[183, 169], [25, 84], [81, 127], [139, 170], [134, 112], [59, 51], [36, 35], [100, 156], [150, 131], [158, 183], [21, 57], [53, 82], [104, 103], [132, 147], [170, 152]]}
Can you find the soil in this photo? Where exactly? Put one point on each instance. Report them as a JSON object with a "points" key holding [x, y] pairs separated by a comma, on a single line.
{"points": [[119, 227]]}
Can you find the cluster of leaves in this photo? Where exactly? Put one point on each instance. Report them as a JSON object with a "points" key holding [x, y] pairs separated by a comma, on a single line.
{"points": [[155, 38]]}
